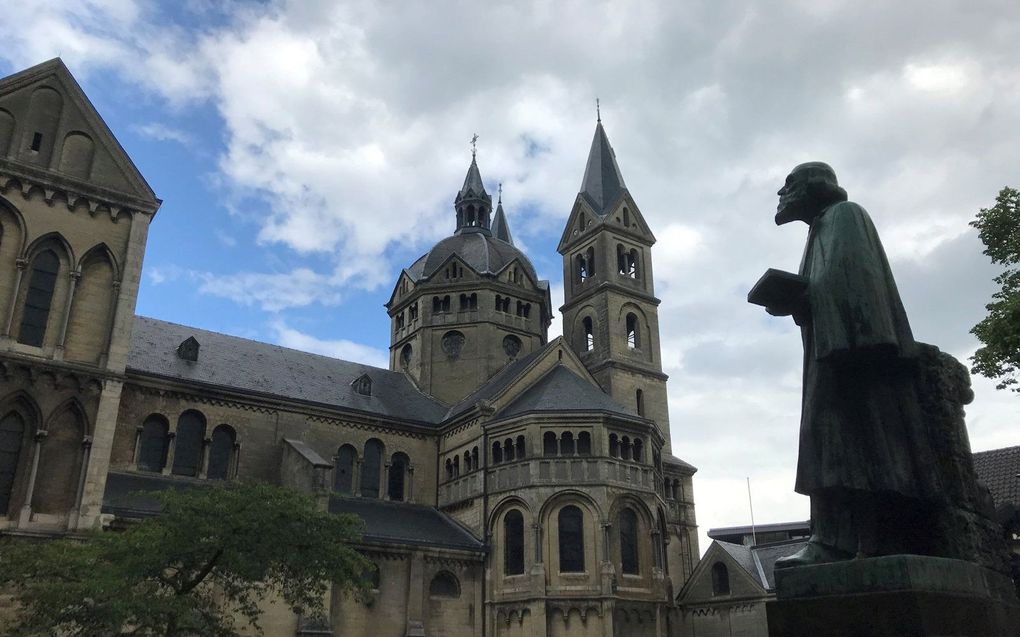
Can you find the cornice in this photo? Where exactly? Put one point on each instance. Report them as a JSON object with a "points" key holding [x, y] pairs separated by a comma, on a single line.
{"points": [[72, 192]]}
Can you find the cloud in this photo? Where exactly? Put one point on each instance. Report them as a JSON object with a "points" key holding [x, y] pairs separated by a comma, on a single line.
{"points": [[272, 292], [163, 133], [343, 349]]}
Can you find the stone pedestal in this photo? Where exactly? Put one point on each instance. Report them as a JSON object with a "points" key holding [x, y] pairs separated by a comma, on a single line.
{"points": [[894, 596]]}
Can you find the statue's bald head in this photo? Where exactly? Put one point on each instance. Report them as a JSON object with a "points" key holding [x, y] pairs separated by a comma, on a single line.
{"points": [[810, 188]]}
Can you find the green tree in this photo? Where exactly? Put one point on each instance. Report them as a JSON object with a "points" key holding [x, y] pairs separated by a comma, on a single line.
{"points": [[196, 569], [999, 332]]}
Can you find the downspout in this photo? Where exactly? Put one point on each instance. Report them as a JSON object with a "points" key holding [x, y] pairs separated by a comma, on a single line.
{"points": [[485, 523]]}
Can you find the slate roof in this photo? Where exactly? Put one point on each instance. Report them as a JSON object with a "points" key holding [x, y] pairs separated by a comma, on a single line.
{"points": [[760, 561], [125, 492], [473, 187], [500, 227], [403, 523], [603, 183], [499, 381], [999, 470], [274, 371], [482, 252], [563, 390]]}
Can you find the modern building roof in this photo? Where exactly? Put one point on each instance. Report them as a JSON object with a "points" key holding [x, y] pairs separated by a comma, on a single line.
{"points": [[478, 249], [274, 371], [561, 390], [732, 531], [403, 523], [999, 470], [603, 183]]}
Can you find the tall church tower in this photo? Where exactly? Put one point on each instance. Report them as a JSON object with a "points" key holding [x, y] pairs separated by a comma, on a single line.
{"points": [[610, 313]]}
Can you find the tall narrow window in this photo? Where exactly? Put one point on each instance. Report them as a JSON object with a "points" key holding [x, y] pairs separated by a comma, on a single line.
{"points": [[513, 543], [632, 263], [589, 334], [614, 446], [582, 268], [474, 458], [633, 338], [398, 475], [370, 468], [625, 448], [639, 399], [508, 450], [720, 579], [343, 478], [221, 452], [12, 432], [584, 444], [567, 444], [38, 298], [637, 449], [549, 446], [188, 444], [621, 259], [456, 466], [497, 453], [152, 446], [629, 542], [520, 447], [571, 540], [590, 258]]}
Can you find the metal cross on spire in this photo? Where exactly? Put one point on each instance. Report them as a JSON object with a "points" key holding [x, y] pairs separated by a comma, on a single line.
{"points": [[598, 111], [474, 145], [500, 192]]}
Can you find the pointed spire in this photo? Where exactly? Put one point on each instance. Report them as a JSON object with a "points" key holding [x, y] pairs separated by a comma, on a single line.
{"points": [[500, 227], [473, 186], [472, 203], [603, 182]]}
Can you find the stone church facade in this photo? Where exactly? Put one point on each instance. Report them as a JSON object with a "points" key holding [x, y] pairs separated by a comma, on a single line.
{"points": [[509, 484]]}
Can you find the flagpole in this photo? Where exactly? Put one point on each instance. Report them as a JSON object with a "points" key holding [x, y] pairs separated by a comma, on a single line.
{"points": [[750, 505]]}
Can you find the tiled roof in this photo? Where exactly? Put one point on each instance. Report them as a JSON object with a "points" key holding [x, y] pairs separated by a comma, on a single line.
{"points": [[999, 470], [402, 523], [274, 371], [482, 252], [603, 183], [563, 390]]}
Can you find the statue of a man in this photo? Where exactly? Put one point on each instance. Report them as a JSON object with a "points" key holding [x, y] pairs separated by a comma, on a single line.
{"points": [[866, 460]]}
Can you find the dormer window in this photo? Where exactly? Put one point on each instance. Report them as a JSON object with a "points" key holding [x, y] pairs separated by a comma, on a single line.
{"points": [[188, 349], [363, 385]]}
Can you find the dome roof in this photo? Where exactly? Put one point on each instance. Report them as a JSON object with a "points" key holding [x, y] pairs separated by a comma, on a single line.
{"points": [[482, 252]]}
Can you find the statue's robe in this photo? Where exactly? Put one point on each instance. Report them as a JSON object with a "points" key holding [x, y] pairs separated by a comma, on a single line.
{"points": [[862, 427]]}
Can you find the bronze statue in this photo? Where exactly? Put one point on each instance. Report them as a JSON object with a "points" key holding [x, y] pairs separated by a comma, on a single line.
{"points": [[884, 454]]}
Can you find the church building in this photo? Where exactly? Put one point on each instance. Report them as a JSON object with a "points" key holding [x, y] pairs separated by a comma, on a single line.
{"points": [[509, 484]]}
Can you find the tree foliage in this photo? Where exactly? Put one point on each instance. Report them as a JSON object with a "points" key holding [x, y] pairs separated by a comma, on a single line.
{"points": [[999, 332], [199, 568]]}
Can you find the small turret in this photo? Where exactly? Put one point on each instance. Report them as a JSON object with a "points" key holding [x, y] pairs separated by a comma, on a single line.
{"points": [[500, 227], [473, 204]]}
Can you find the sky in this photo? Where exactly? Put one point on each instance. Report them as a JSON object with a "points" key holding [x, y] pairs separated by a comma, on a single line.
{"points": [[305, 152]]}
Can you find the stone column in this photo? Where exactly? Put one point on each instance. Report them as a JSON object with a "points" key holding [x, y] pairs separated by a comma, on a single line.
{"points": [[356, 477], [98, 465], [235, 461], [409, 485], [21, 264], [384, 483], [171, 448], [138, 445], [65, 316], [86, 447], [26, 508], [203, 469]]}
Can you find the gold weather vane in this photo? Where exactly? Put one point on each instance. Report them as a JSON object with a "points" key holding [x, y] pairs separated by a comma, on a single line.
{"points": [[474, 145]]}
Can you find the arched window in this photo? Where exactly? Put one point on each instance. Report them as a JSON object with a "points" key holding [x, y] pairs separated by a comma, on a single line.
{"points": [[582, 268], [626, 217], [446, 303], [590, 254], [467, 461], [513, 543], [632, 263], [444, 584], [474, 458], [549, 446], [221, 452], [639, 399], [38, 298], [370, 468], [625, 448], [456, 466], [405, 355], [398, 475], [508, 450], [589, 334], [343, 478], [629, 561], [637, 449], [567, 444], [188, 444], [677, 493], [621, 259], [667, 492], [473, 301], [520, 447], [449, 469], [614, 446], [12, 432], [571, 540], [584, 444], [720, 579], [497, 453], [152, 446], [633, 337]]}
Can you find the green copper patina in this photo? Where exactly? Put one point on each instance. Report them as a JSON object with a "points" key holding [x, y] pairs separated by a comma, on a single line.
{"points": [[884, 454]]}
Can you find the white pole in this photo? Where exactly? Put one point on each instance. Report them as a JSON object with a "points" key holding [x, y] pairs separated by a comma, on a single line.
{"points": [[750, 505]]}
